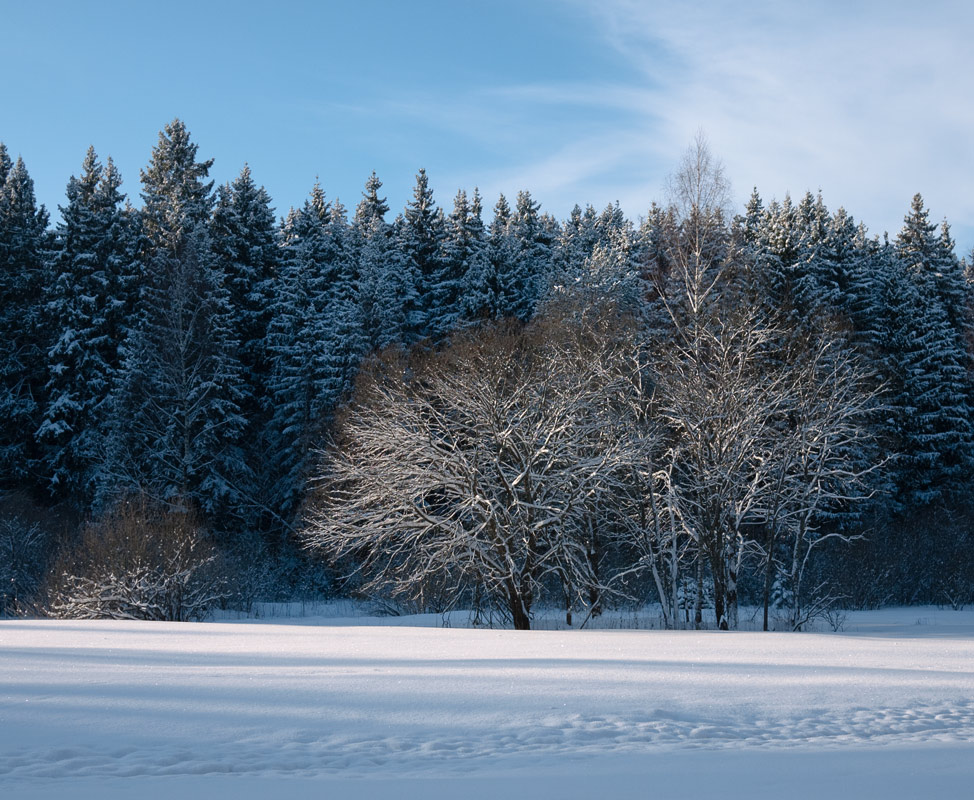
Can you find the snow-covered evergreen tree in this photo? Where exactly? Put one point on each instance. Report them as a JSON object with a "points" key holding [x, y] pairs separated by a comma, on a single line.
{"points": [[386, 289], [930, 416], [522, 285], [24, 339], [465, 260], [371, 207], [929, 254], [420, 238], [245, 243], [89, 308], [5, 163], [247, 251], [483, 290], [178, 421], [316, 337]]}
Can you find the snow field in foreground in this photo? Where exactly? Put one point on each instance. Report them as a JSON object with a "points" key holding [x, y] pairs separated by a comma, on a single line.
{"points": [[105, 708]]}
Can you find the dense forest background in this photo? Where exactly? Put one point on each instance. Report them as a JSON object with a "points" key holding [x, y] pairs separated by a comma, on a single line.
{"points": [[201, 404]]}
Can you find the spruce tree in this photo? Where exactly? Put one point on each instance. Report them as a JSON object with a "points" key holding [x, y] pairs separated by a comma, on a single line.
{"points": [[371, 207], [523, 257], [384, 290], [178, 422], [780, 237], [929, 254], [420, 236], [929, 417], [245, 244], [5, 164], [247, 252], [465, 260], [24, 338], [482, 291], [316, 338], [89, 308]]}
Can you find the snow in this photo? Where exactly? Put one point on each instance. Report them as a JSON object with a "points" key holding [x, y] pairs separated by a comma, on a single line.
{"points": [[342, 707]]}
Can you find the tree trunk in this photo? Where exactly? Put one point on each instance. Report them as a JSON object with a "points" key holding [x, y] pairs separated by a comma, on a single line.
{"points": [[718, 572], [698, 600], [522, 622], [519, 605], [768, 573], [730, 591]]}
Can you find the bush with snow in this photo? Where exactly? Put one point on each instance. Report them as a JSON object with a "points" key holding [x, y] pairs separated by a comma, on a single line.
{"points": [[139, 562], [23, 545]]}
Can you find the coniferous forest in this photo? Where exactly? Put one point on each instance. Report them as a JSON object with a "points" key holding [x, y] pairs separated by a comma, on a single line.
{"points": [[706, 409]]}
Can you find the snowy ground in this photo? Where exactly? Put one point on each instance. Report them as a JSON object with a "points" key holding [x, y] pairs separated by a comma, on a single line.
{"points": [[312, 707]]}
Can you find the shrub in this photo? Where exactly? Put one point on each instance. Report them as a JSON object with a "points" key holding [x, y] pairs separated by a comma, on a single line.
{"points": [[138, 562], [23, 546]]}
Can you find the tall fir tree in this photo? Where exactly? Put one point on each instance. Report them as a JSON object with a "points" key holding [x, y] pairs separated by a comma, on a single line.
{"points": [[928, 416], [482, 290], [523, 256], [5, 164], [89, 308], [316, 338], [924, 338], [24, 337], [465, 259], [371, 207], [420, 235], [178, 423], [929, 254], [385, 287], [246, 246]]}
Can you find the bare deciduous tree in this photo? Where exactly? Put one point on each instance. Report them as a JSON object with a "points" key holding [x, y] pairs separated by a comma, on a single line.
{"points": [[476, 469], [752, 436]]}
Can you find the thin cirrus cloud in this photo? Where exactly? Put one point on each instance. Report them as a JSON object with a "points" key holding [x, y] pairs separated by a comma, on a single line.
{"points": [[867, 102], [578, 102]]}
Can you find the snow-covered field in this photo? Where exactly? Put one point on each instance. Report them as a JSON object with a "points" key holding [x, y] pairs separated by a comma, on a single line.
{"points": [[363, 708]]}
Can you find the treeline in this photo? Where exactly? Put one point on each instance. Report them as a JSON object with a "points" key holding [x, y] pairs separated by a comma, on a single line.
{"points": [[197, 354]]}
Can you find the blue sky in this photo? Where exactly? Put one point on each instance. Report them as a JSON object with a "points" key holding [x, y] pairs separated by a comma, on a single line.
{"points": [[586, 102]]}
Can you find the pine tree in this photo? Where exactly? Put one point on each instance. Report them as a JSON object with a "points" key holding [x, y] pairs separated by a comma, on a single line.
{"points": [[246, 247], [524, 250], [925, 301], [779, 236], [813, 276], [420, 238], [5, 164], [385, 289], [316, 337], [483, 292], [24, 340], [88, 309], [611, 225], [930, 256], [654, 232], [929, 415], [178, 422], [571, 248], [247, 252], [465, 260], [176, 195], [371, 207], [343, 320]]}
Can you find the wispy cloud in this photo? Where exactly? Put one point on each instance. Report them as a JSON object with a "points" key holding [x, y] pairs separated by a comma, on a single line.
{"points": [[868, 101]]}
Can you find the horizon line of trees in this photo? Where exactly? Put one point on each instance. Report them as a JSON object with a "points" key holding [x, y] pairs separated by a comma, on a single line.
{"points": [[198, 352]]}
